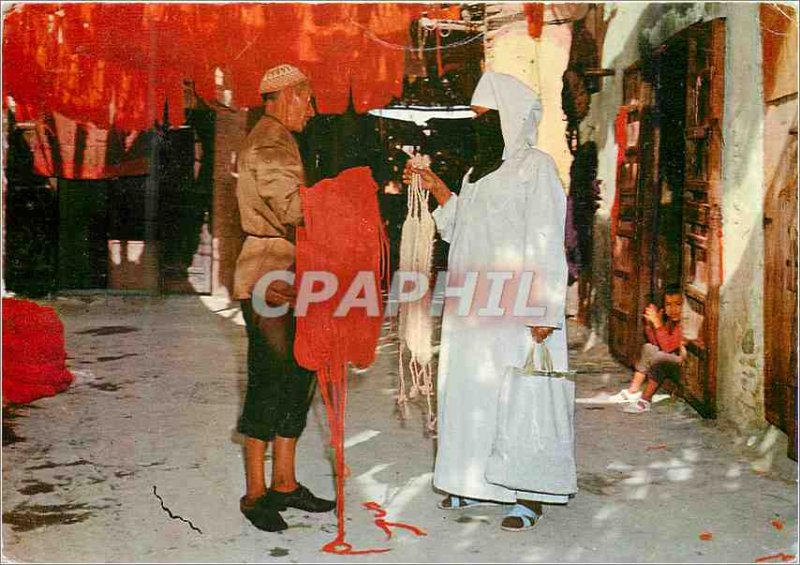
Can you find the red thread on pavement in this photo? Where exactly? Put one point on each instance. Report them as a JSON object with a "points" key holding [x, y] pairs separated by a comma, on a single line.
{"points": [[656, 447], [341, 547], [387, 526], [776, 556]]}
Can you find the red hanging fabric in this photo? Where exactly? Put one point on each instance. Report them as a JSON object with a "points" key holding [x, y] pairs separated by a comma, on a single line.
{"points": [[621, 138], [34, 355], [343, 235], [378, 76], [118, 63], [534, 13]]}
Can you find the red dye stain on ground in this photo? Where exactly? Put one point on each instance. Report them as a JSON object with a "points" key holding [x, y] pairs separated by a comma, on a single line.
{"points": [[782, 557], [656, 447], [387, 526]]}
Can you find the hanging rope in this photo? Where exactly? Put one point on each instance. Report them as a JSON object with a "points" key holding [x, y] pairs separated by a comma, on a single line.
{"points": [[416, 330]]}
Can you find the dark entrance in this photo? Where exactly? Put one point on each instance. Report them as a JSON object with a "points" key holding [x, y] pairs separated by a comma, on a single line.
{"points": [[669, 181]]}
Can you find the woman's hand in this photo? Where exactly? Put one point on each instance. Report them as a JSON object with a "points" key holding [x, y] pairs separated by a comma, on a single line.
{"points": [[430, 182]]}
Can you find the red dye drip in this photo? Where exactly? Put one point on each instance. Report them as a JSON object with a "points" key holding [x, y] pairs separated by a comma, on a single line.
{"points": [[343, 235], [386, 526], [34, 357]]}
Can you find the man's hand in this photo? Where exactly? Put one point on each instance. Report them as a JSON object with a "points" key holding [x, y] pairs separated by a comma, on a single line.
{"points": [[541, 333], [280, 293]]}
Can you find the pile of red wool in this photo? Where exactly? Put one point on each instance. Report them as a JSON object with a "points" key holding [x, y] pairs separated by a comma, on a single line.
{"points": [[34, 356]]}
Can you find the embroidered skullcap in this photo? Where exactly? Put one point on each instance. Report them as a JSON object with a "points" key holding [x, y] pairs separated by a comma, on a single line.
{"points": [[280, 77]]}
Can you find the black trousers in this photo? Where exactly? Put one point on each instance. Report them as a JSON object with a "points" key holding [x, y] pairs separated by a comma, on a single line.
{"points": [[279, 391]]}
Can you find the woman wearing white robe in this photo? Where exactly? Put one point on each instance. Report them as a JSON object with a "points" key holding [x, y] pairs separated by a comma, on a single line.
{"points": [[511, 220]]}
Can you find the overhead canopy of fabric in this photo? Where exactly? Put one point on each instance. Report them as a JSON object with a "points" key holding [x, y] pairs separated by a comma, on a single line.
{"points": [[116, 64]]}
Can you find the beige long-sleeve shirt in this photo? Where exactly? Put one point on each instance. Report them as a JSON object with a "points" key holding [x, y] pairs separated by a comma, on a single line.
{"points": [[268, 190]]}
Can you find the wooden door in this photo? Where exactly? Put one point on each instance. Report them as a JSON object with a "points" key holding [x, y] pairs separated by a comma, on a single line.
{"points": [[780, 296], [624, 306], [631, 246], [779, 48], [702, 221]]}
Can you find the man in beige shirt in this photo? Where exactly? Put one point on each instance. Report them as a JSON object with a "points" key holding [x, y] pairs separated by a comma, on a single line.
{"points": [[279, 391]]}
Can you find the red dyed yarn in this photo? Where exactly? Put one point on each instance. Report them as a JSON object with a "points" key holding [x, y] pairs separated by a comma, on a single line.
{"points": [[343, 235], [34, 356], [534, 14], [621, 137], [117, 63]]}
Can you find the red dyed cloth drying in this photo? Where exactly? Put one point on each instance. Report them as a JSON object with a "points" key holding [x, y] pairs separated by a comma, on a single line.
{"points": [[343, 235], [34, 357], [534, 14], [621, 137], [117, 63]]}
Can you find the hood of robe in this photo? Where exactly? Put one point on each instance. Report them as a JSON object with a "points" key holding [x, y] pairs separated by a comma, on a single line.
{"points": [[519, 106]]}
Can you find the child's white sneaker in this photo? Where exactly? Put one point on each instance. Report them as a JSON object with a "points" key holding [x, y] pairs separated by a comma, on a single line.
{"points": [[637, 407], [624, 396]]}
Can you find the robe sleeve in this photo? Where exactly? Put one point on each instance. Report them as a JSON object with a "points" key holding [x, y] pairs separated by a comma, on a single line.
{"points": [[445, 218], [545, 255]]}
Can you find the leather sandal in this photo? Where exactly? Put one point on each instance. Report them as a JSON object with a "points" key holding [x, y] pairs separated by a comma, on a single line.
{"points": [[453, 502], [520, 518]]}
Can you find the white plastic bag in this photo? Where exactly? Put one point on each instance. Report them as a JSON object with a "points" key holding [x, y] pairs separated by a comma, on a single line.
{"points": [[534, 445]]}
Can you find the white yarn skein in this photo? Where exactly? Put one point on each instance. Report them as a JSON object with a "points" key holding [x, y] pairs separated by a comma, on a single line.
{"points": [[416, 329]]}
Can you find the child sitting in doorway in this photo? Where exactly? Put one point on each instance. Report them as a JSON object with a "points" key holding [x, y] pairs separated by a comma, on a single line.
{"points": [[662, 355]]}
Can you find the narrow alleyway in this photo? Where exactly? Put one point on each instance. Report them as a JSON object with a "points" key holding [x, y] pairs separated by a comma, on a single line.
{"points": [[158, 389]]}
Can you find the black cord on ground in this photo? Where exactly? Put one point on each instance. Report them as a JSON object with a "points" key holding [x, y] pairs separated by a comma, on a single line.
{"points": [[173, 516]]}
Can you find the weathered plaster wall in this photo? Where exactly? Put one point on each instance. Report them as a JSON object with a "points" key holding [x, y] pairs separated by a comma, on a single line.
{"points": [[539, 64], [740, 381], [740, 371]]}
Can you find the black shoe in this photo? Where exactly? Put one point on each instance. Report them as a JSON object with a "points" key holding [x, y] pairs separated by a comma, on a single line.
{"points": [[263, 514], [300, 498]]}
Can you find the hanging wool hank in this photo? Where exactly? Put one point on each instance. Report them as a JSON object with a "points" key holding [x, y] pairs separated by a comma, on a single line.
{"points": [[343, 235], [416, 330]]}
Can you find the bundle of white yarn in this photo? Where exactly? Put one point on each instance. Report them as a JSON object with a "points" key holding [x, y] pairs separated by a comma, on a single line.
{"points": [[416, 328]]}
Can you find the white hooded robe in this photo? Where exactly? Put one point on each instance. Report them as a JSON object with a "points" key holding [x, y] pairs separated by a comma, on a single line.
{"points": [[511, 220]]}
